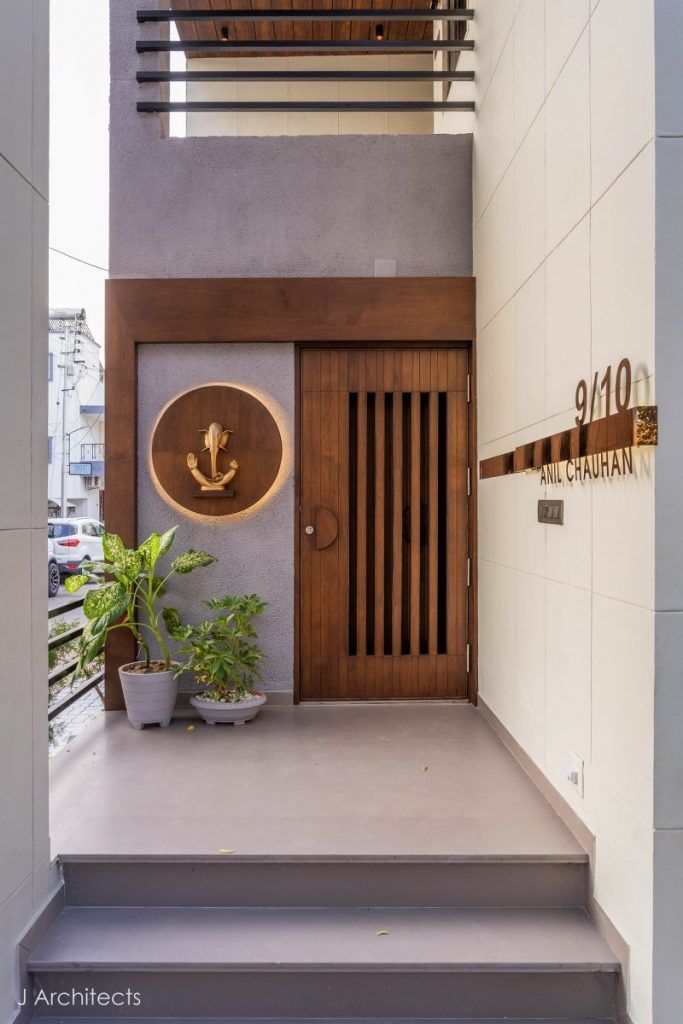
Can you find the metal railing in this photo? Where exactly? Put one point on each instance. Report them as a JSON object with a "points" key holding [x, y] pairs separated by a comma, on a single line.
{"points": [[92, 453], [62, 671], [376, 34]]}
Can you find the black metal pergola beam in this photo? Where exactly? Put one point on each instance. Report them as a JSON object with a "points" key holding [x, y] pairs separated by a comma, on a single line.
{"points": [[334, 106], [314, 14], [303, 45], [305, 76]]}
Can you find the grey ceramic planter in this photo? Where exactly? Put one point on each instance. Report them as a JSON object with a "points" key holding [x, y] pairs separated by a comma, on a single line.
{"points": [[238, 713], [150, 696]]}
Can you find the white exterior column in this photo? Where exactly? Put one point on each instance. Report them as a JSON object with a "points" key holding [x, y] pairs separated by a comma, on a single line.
{"points": [[24, 841], [668, 737]]}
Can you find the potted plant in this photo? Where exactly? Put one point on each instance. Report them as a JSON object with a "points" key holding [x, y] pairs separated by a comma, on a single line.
{"points": [[224, 659], [130, 601]]}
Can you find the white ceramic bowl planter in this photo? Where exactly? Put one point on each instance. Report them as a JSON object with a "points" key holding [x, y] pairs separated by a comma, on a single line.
{"points": [[150, 696], [236, 712]]}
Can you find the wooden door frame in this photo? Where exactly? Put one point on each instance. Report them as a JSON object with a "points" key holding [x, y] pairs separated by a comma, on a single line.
{"points": [[429, 311]]}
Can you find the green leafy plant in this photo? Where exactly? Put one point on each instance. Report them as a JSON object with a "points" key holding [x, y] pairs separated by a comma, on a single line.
{"points": [[221, 651], [130, 600]]}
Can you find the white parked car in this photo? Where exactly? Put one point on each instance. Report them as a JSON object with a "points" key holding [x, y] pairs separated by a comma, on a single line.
{"points": [[53, 576], [74, 541]]}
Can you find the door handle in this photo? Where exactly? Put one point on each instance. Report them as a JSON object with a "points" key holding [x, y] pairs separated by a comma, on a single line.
{"points": [[325, 528]]}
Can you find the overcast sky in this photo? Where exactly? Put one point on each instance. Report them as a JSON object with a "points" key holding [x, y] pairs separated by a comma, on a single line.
{"points": [[79, 155]]}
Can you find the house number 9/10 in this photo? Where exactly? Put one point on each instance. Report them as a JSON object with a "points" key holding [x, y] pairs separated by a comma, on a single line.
{"points": [[622, 392]]}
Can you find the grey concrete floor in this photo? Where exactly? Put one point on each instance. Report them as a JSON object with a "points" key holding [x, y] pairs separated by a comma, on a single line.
{"points": [[398, 780]]}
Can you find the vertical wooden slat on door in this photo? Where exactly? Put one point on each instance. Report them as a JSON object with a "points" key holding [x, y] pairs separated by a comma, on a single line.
{"points": [[456, 621], [329, 499], [342, 581], [361, 531], [397, 524], [433, 572], [415, 523], [379, 524]]}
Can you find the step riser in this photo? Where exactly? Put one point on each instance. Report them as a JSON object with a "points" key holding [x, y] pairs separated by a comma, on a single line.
{"points": [[360, 995], [334, 884], [341, 1020]]}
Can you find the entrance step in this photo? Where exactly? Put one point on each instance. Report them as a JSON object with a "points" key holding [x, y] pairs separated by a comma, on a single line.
{"points": [[230, 881], [194, 962]]}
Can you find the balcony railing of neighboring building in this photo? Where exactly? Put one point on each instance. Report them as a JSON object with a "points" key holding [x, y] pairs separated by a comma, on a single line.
{"points": [[67, 666], [397, 28], [92, 453]]}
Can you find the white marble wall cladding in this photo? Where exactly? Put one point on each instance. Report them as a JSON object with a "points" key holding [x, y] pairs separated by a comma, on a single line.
{"points": [[313, 123], [24, 842], [564, 245]]}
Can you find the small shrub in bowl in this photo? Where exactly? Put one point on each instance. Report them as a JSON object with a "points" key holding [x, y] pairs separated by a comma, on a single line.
{"points": [[224, 658]]}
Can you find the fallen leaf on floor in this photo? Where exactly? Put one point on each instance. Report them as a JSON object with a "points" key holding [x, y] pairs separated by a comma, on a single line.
{"points": [[425, 768], [382, 933], [226, 851], [190, 728]]}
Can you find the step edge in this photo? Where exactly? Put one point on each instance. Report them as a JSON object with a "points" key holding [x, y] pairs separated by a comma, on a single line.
{"points": [[280, 967], [248, 858]]}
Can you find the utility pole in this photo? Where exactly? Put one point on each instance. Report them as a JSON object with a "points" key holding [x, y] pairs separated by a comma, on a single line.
{"points": [[71, 333], [65, 437]]}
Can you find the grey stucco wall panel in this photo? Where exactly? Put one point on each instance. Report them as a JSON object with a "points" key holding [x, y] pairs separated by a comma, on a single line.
{"points": [[289, 207], [254, 551]]}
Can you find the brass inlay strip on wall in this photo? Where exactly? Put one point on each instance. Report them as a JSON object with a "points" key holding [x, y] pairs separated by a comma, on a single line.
{"points": [[625, 429]]}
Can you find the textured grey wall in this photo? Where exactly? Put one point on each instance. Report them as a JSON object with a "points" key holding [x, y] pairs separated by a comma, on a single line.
{"points": [[254, 550], [276, 207], [289, 207]]}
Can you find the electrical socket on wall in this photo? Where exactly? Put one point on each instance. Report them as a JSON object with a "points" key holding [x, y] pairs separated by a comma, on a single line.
{"points": [[385, 268], [573, 772]]}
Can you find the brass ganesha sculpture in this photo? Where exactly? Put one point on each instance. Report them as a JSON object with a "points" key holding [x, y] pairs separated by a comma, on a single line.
{"points": [[215, 440]]}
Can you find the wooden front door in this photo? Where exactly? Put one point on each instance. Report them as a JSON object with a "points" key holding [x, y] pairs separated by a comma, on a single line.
{"points": [[384, 524]]}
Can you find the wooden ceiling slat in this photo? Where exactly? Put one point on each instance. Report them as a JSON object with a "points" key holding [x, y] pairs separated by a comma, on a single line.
{"points": [[212, 26], [322, 29], [358, 27], [419, 29], [281, 29], [187, 30], [301, 30], [247, 29], [428, 29], [264, 30], [342, 29]]}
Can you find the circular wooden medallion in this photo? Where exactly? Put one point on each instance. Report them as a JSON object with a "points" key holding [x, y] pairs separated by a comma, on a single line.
{"points": [[231, 441]]}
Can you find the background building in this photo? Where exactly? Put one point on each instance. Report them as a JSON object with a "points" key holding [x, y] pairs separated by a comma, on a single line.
{"points": [[75, 417]]}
